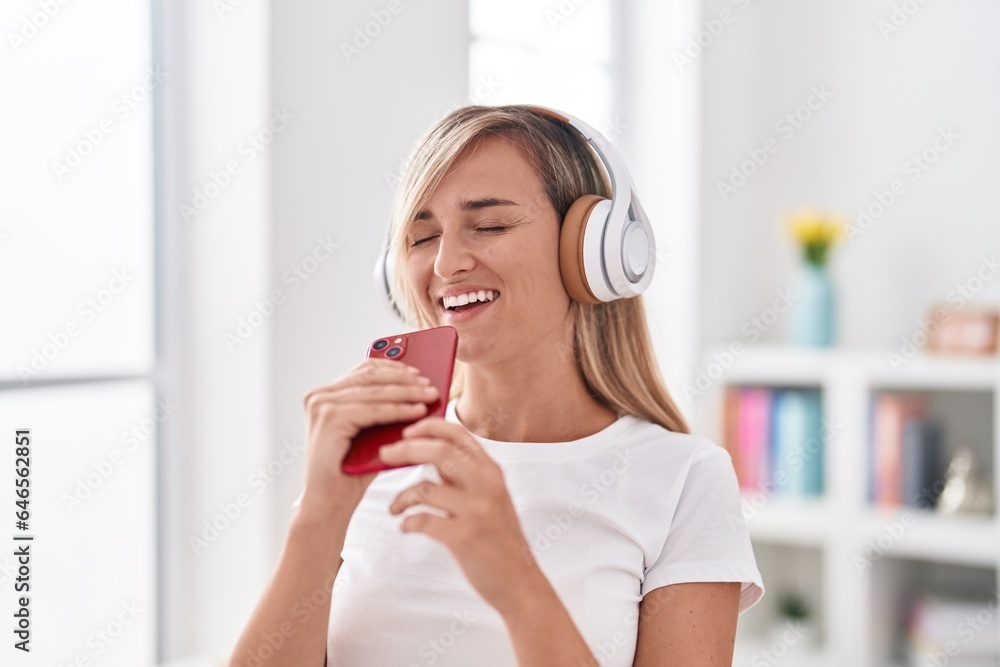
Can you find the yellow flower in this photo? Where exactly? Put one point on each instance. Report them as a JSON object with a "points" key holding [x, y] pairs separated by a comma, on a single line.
{"points": [[810, 227]]}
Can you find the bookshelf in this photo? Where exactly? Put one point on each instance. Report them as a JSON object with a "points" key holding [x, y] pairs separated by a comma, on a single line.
{"points": [[812, 544]]}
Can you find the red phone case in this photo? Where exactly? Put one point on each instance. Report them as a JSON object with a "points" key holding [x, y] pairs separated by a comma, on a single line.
{"points": [[433, 352]]}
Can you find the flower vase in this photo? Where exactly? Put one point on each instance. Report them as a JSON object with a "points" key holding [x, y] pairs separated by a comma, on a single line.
{"points": [[812, 320]]}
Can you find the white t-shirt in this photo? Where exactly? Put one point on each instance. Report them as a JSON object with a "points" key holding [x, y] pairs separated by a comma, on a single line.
{"points": [[609, 518]]}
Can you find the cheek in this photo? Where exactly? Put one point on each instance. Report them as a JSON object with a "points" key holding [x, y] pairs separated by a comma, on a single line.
{"points": [[417, 278]]}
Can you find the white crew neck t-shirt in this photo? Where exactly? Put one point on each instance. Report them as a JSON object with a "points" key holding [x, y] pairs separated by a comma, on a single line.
{"points": [[609, 517]]}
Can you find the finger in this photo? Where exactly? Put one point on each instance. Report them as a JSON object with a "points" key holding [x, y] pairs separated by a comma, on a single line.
{"points": [[384, 377], [438, 427], [381, 371], [363, 415], [387, 393], [454, 467], [443, 497], [371, 368], [438, 527]]}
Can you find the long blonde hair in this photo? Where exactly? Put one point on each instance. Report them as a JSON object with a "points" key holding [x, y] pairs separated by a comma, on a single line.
{"points": [[612, 347]]}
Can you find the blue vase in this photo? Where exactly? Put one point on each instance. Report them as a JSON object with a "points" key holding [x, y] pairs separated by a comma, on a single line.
{"points": [[812, 316]]}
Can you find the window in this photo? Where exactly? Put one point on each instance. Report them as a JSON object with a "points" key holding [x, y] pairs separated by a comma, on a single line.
{"points": [[77, 335], [556, 54]]}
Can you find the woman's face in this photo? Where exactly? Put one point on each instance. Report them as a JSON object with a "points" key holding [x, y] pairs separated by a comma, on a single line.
{"points": [[489, 225]]}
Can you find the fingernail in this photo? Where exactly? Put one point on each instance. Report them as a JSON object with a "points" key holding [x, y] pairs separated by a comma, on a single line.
{"points": [[413, 369], [423, 379]]}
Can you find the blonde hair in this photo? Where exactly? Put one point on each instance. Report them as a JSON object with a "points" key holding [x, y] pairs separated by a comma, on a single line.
{"points": [[612, 348]]}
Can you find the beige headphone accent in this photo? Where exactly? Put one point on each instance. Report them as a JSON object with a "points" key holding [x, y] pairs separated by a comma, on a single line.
{"points": [[571, 248]]}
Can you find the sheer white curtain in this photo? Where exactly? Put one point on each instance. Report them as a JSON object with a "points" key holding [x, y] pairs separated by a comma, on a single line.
{"points": [[77, 324]]}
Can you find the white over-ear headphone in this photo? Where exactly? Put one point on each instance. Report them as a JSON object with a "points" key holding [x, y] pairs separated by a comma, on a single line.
{"points": [[606, 247]]}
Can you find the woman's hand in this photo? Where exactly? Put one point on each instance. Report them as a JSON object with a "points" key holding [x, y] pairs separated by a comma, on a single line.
{"points": [[376, 391], [481, 530]]}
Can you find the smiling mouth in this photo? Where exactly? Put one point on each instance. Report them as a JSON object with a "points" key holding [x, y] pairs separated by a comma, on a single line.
{"points": [[455, 305]]}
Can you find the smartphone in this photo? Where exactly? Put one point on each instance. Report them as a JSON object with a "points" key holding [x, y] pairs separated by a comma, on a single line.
{"points": [[430, 350]]}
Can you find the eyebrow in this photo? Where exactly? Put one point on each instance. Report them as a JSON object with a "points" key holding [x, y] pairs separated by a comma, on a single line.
{"points": [[469, 205]]}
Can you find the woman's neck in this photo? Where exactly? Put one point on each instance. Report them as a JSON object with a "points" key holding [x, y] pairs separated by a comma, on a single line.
{"points": [[542, 398]]}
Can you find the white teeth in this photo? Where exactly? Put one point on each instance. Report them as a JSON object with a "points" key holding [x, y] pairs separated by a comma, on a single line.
{"points": [[470, 297]]}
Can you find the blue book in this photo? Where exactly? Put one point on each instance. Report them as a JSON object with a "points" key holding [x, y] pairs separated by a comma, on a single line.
{"points": [[815, 444], [921, 448], [774, 454], [798, 443]]}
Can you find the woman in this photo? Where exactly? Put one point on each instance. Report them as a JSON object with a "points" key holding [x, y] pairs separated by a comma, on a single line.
{"points": [[561, 513]]}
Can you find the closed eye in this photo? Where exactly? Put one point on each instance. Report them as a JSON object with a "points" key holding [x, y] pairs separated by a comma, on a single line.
{"points": [[480, 229]]}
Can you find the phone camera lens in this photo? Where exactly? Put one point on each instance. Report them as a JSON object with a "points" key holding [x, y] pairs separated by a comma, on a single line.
{"points": [[380, 344], [394, 352]]}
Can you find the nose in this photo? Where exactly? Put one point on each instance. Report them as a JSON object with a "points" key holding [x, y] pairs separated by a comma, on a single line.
{"points": [[453, 256]]}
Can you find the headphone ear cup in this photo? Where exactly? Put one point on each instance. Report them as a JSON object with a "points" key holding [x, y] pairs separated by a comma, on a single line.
{"points": [[384, 281], [571, 258]]}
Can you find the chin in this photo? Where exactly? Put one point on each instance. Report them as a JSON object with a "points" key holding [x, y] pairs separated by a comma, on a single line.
{"points": [[472, 351]]}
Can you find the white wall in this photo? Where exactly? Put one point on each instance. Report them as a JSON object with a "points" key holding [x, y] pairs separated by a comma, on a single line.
{"points": [[212, 269], [356, 122], [321, 177], [889, 97], [660, 104]]}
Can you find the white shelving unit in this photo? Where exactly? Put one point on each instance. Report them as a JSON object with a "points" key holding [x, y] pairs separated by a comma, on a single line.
{"points": [[856, 608]]}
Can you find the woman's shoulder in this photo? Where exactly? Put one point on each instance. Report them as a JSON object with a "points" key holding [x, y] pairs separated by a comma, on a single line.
{"points": [[661, 445]]}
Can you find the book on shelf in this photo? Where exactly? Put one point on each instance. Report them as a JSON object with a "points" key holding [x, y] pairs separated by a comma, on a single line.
{"points": [[904, 452], [957, 632], [775, 438]]}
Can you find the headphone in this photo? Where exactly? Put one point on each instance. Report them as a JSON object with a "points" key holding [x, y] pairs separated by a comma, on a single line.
{"points": [[606, 247]]}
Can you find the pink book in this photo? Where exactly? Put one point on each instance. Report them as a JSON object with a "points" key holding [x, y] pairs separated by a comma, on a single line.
{"points": [[891, 412], [754, 434], [730, 425]]}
